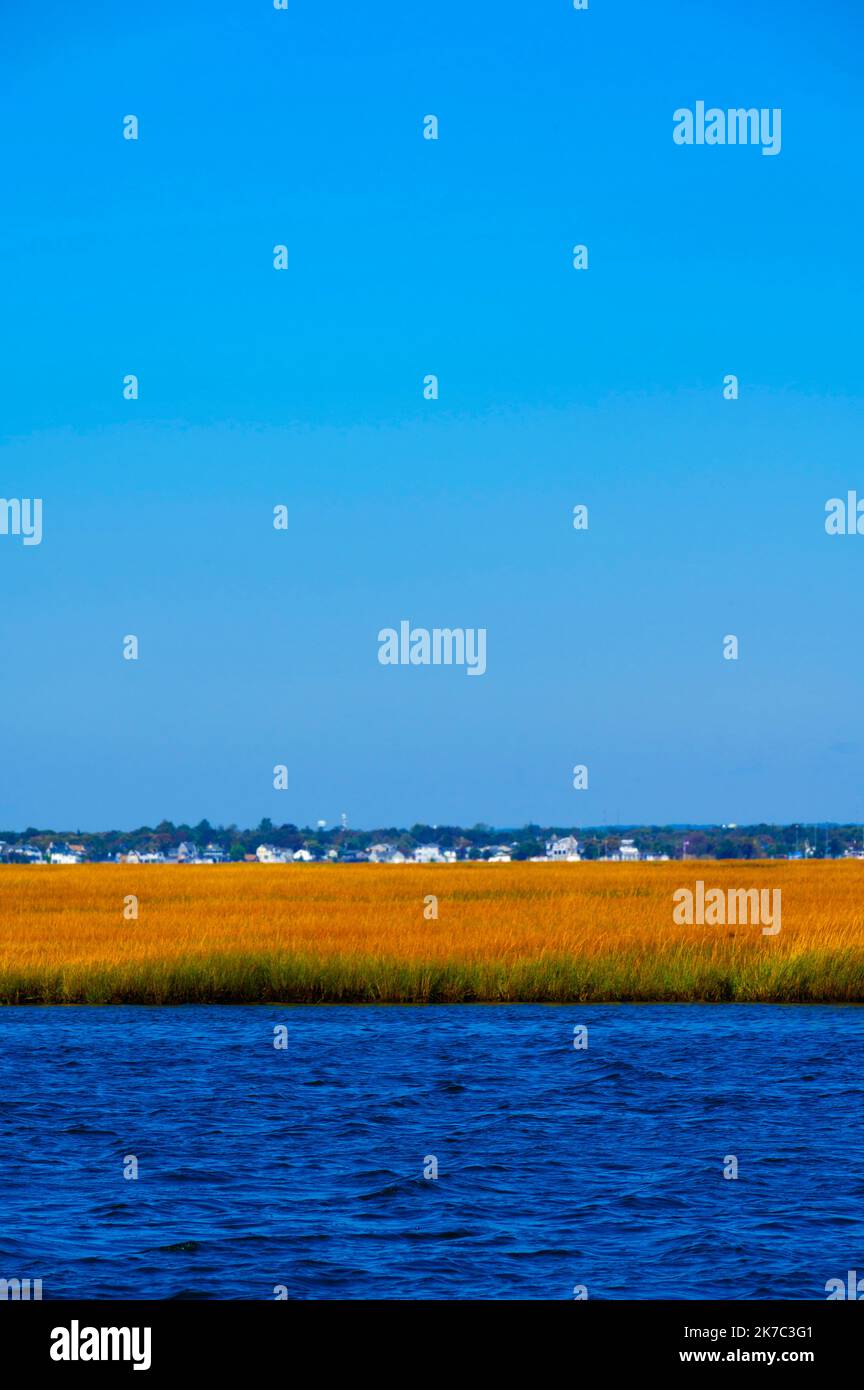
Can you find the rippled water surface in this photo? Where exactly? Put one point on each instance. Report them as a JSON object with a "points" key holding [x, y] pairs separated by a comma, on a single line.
{"points": [[303, 1167]]}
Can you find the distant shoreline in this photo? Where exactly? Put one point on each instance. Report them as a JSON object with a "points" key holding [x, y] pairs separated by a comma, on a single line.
{"points": [[167, 843]]}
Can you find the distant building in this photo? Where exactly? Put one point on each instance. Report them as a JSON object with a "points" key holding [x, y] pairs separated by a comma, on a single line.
{"points": [[31, 852], [565, 848], [626, 853], [497, 854], [427, 854], [269, 854]]}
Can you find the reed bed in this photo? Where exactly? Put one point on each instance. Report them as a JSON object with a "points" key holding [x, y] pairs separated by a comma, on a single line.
{"points": [[552, 933]]}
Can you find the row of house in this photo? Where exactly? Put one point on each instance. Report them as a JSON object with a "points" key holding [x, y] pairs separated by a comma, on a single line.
{"points": [[375, 854], [54, 854], [272, 854], [185, 853], [566, 849]]}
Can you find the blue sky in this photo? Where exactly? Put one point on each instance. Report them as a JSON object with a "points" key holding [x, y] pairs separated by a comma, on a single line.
{"points": [[304, 387]]}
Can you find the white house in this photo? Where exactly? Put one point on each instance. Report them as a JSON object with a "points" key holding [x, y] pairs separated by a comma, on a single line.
{"points": [[565, 848], [61, 853], [379, 853], [427, 854], [269, 854], [628, 851]]}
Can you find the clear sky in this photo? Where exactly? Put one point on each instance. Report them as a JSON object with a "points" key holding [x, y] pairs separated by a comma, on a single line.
{"points": [[305, 387]]}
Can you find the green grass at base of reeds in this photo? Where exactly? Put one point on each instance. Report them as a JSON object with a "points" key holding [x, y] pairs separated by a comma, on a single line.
{"points": [[808, 977]]}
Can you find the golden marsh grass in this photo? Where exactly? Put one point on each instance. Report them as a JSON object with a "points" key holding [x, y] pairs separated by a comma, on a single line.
{"points": [[252, 933]]}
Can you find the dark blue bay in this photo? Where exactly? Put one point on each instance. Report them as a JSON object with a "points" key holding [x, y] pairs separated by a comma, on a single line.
{"points": [[304, 1167]]}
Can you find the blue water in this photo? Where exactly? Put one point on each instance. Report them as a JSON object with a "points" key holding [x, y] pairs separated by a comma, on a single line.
{"points": [[303, 1167]]}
